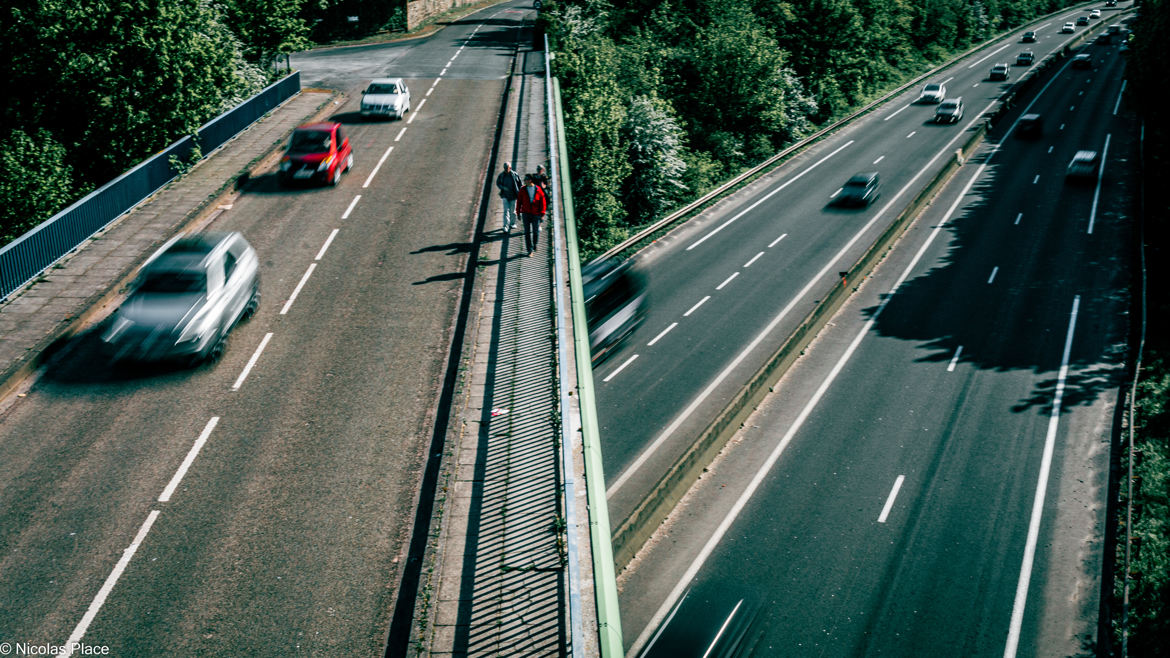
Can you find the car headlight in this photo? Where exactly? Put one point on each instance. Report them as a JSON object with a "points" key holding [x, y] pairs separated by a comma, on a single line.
{"points": [[325, 164], [285, 164]]}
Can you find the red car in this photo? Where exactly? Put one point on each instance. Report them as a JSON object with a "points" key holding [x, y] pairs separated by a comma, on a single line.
{"points": [[317, 152]]}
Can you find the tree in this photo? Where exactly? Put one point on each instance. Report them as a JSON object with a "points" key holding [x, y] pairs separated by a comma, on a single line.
{"points": [[654, 138], [267, 28], [34, 181]]}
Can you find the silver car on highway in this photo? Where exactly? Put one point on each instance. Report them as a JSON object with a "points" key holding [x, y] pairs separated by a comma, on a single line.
{"points": [[186, 299], [386, 97]]}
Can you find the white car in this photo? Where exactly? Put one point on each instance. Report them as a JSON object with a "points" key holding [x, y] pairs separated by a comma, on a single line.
{"points": [[1068, 28], [933, 93], [1096, 13], [387, 97]]}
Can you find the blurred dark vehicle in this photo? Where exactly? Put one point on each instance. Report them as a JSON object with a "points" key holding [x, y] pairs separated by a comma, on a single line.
{"points": [[615, 304], [185, 300], [1030, 125]]}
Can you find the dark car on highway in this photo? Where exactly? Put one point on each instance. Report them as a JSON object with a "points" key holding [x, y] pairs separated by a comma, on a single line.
{"points": [[1025, 58], [1082, 61], [1030, 125], [1082, 20], [615, 304], [949, 111], [860, 190], [185, 300], [1029, 37], [317, 152]]}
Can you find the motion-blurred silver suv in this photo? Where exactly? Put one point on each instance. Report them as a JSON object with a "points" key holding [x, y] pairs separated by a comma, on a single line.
{"points": [[186, 299]]}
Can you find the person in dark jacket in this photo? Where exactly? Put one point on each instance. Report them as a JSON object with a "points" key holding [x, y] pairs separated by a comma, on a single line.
{"points": [[509, 185], [531, 205], [542, 181]]}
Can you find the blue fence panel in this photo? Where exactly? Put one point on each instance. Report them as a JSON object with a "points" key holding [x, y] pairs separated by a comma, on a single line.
{"points": [[34, 252]]}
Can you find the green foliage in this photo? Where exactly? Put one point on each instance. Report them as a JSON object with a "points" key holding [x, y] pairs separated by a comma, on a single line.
{"points": [[654, 140], [267, 28], [35, 182]]}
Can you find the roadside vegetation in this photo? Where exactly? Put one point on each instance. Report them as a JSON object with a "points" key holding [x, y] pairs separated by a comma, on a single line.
{"points": [[95, 86], [666, 99], [1149, 596]]}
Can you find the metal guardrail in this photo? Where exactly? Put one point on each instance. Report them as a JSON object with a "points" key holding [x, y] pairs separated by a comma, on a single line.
{"points": [[25, 258], [572, 554], [609, 624]]}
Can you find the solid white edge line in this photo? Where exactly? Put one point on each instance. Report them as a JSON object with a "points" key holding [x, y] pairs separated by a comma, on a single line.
{"points": [[620, 368], [722, 629], [890, 499], [251, 362], [706, 392], [664, 332], [328, 241], [1100, 175], [725, 525], [190, 459], [297, 290], [777, 240], [726, 281], [754, 259], [400, 134], [1117, 105], [955, 359], [769, 195], [696, 306], [108, 586], [666, 622], [352, 205], [1021, 600], [378, 166]]}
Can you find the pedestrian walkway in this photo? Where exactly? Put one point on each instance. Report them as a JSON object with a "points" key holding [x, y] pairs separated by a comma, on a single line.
{"points": [[497, 580], [60, 302]]}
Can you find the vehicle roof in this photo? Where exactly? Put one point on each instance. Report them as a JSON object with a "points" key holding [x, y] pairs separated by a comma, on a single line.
{"points": [[1031, 116], [956, 101], [862, 177], [386, 81], [933, 85], [1085, 155]]}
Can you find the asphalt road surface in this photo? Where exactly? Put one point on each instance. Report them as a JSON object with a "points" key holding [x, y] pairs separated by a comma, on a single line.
{"points": [[930, 479], [266, 501], [727, 288]]}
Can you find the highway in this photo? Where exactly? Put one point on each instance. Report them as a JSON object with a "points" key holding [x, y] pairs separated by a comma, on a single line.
{"points": [[728, 287], [261, 507], [930, 479]]}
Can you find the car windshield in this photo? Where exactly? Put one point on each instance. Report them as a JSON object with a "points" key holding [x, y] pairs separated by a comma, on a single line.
{"points": [[932, 87], [948, 105], [309, 141], [172, 281], [382, 89]]}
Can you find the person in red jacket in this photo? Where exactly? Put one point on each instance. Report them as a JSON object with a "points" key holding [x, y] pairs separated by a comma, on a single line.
{"points": [[532, 205]]}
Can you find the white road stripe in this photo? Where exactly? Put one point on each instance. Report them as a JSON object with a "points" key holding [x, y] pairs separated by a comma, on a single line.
{"points": [[345, 215], [754, 259], [620, 368], [890, 499], [664, 332], [994, 271], [955, 359], [777, 240], [191, 455], [1100, 175], [1013, 640], [430, 90], [380, 161], [251, 362], [415, 112], [1019, 217], [297, 290], [400, 134], [1119, 95], [328, 241], [79, 632], [897, 111], [769, 195], [880, 158], [696, 306], [1036, 179], [990, 55], [912, 133], [726, 281]]}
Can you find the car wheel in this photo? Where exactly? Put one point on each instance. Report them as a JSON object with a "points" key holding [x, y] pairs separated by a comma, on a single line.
{"points": [[214, 353], [253, 305], [336, 175], [349, 162]]}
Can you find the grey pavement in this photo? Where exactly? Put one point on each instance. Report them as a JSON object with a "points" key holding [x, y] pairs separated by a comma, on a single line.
{"points": [[496, 585], [63, 300]]}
